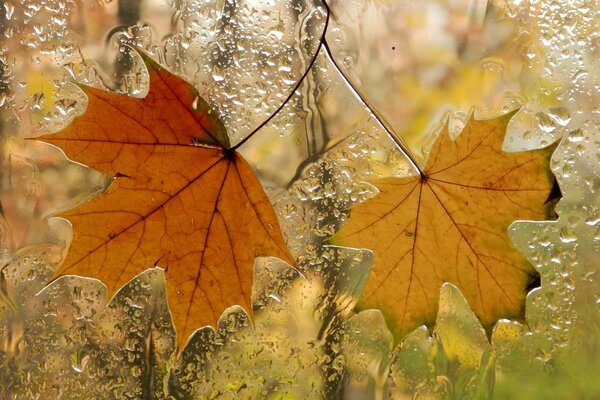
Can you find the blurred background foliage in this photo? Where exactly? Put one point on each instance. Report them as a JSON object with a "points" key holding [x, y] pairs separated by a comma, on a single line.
{"points": [[390, 67]]}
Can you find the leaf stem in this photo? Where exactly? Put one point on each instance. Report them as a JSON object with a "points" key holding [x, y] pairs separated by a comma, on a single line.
{"points": [[296, 87], [398, 140], [380, 120]]}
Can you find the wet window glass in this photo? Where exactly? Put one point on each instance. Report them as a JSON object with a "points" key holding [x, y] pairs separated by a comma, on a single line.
{"points": [[297, 199]]}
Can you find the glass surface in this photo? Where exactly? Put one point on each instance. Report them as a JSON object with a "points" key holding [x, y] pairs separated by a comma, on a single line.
{"points": [[325, 99]]}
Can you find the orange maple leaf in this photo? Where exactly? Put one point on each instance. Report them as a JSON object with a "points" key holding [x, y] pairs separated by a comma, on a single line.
{"points": [[449, 224], [182, 198]]}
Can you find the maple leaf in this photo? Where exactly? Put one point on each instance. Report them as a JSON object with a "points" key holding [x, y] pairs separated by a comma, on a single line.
{"points": [[449, 224], [182, 198]]}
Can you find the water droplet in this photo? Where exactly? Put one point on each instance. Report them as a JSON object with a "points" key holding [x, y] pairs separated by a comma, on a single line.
{"points": [[545, 123], [38, 101], [560, 115], [576, 136], [567, 235], [347, 62], [9, 10]]}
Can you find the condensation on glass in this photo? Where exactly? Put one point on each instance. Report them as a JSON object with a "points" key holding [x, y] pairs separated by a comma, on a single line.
{"points": [[327, 115]]}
